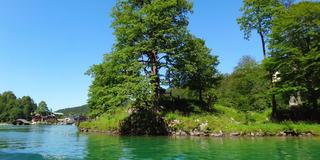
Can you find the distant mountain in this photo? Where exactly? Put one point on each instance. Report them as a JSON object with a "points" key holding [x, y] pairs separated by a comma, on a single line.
{"points": [[80, 110]]}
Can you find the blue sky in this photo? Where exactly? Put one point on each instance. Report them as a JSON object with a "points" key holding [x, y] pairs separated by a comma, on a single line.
{"points": [[46, 46]]}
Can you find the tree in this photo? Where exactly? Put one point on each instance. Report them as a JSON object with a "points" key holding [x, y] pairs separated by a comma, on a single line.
{"points": [[295, 51], [12, 108], [27, 105], [42, 109], [258, 15], [9, 102], [117, 82], [245, 87], [153, 32], [196, 68], [151, 37]]}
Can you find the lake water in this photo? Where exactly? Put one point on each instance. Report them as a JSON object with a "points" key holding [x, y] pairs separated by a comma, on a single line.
{"points": [[64, 142]]}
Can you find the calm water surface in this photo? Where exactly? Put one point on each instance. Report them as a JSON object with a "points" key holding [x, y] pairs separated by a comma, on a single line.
{"points": [[64, 142]]}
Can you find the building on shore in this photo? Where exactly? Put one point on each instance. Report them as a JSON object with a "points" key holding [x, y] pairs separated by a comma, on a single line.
{"points": [[49, 119]]}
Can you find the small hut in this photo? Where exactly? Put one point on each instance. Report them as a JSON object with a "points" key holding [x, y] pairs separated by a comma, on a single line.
{"points": [[21, 122]]}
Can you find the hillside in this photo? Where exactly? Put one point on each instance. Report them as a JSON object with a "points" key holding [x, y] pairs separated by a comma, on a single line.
{"points": [[80, 110]]}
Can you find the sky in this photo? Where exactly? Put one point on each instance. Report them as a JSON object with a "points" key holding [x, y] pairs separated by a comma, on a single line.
{"points": [[46, 46]]}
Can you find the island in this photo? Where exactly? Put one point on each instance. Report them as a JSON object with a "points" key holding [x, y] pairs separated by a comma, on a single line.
{"points": [[160, 79]]}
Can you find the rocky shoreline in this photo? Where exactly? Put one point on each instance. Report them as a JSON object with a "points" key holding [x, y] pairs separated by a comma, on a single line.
{"points": [[241, 134], [196, 133]]}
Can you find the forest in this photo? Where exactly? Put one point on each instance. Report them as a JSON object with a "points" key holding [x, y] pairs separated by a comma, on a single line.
{"points": [[158, 68], [12, 108]]}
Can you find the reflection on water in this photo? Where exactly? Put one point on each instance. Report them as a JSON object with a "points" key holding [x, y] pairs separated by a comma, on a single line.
{"points": [[41, 142], [201, 148], [63, 142]]}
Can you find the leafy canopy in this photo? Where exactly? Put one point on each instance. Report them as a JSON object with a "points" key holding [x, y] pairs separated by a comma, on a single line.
{"points": [[295, 51], [151, 39]]}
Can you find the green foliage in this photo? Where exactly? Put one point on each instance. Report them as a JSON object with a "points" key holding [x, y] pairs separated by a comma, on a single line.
{"points": [[196, 68], [12, 108], [109, 121], [230, 120], [28, 106], [80, 110], [245, 88], [257, 15], [154, 32], [225, 119], [151, 36], [117, 82], [295, 52], [42, 109]]}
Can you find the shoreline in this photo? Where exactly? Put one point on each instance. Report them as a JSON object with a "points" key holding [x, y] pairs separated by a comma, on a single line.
{"points": [[209, 134]]}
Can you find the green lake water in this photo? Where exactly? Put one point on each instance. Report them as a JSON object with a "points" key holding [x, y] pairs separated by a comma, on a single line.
{"points": [[64, 142]]}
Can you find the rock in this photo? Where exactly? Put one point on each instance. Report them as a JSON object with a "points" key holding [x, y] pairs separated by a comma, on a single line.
{"points": [[252, 134], [234, 134], [206, 134], [180, 133], [219, 134], [174, 123], [282, 134], [203, 126], [216, 134], [195, 133], [183, 133]]}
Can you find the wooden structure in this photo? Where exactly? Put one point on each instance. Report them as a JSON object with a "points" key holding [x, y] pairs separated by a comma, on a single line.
{"points": [[21, 122]]}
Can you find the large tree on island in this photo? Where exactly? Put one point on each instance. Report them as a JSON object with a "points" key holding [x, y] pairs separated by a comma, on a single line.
{"points": [[151, 38], [155, 29], [295, 51]]}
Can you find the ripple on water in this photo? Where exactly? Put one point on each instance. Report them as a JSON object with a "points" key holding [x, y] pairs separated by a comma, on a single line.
{"points": [[64, 142]]}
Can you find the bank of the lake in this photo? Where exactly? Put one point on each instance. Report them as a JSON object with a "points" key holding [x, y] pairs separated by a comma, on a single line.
{"points": [[224, 122], [38, 142]]}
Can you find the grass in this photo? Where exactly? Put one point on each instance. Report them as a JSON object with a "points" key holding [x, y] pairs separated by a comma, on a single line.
{"points": [[109, 121], [223, 119]]}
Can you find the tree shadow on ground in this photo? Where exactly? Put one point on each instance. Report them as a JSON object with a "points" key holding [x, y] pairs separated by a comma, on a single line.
{"points": [[143, 122], [302, 113], [184, 106]]}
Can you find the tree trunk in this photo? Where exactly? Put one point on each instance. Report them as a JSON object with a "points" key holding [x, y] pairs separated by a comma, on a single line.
{"points": [[155, 80], [313, 98], [273, 97], [200, 95], [263, 45]]}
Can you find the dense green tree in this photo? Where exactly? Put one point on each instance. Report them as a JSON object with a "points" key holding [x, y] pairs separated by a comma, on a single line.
{"points": [[12, 108], [196, 68], [258, 15], [28, 106], [117, 82], [42, 109], [151, 38], [153, 31], [245, 88], [9, 102], [295, 51]]}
